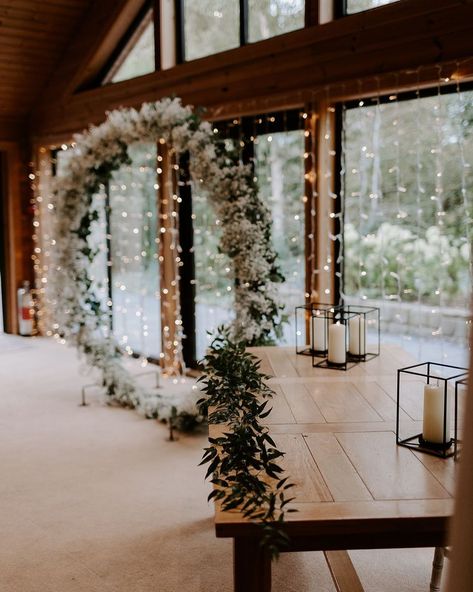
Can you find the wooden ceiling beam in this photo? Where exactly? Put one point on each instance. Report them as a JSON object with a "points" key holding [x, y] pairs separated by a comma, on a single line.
{"points": [[371, 44], [96, 38]]}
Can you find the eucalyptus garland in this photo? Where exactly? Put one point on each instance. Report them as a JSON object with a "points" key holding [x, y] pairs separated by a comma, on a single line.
{"points": [[79, 314], [243, 461]]}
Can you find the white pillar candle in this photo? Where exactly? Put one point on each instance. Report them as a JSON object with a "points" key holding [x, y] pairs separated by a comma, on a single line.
{"points": [[433, 415], [357, 336], [320, 333], [336, 344]]}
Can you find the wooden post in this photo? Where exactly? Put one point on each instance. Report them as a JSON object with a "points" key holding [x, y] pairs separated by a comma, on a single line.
{"points": [[251, 566], [18, 215], [311, 201], [168, 233], [326, 205]]}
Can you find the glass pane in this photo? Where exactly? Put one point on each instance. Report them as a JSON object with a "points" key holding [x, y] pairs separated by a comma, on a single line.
{"points": [[353, 6], [268, 18], [140, 59], [210, 26], [280, 171], [408, 216], [214, 281], [135, 270]]}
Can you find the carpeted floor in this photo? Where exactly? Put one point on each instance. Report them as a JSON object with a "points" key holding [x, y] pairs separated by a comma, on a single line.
{"points": [[95, 499]]}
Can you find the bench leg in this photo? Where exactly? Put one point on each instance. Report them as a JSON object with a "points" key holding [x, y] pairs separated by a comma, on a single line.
{"points": [[343, 572], [251, 566], [437, 566]]}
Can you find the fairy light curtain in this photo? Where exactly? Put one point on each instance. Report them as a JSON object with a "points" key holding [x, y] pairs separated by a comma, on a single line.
{"points": [[274, 144], [407, 215], [134, 253], [126, 271]]}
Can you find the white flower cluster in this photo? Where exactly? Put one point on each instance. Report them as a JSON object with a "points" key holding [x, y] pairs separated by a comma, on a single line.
{"points": [[246, 237]]}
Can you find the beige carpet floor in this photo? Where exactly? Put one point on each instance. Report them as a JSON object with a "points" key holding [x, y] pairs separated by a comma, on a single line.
{"points": [[94, 499]]}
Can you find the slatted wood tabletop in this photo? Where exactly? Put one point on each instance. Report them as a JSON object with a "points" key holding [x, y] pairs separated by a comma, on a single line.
{"points": [[355, 488]]}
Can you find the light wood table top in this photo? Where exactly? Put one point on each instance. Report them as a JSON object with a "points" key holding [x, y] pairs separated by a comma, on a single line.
{"points": [[355, 488]]}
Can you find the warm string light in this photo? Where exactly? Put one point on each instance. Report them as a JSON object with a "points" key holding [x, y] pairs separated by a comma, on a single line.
{"points": [[437, 312], [309, 120], [420, 190], [213, 271], [170, 258], [410, 207], [43, 240], [465, 167]]}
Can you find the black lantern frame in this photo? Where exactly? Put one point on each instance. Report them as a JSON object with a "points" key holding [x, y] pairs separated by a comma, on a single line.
{"points": [[427, 371], [355, 318], [308, 312], [462, 382], [366, 318], [336, 315]]}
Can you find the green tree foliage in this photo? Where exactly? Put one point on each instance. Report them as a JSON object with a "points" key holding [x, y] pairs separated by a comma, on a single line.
{"points": [[408, 199]]}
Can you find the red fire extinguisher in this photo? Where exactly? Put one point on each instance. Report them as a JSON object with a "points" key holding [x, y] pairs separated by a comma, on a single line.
{"points": [[25, 310]]}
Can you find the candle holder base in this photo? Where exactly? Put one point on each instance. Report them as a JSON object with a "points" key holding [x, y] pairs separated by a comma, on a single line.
{"points": [[435, 445], [361, 357], [305, 352], [332, 365], [418, 443]]}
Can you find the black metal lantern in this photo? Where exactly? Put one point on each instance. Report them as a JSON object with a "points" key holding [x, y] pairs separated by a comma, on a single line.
{"points": [[430, 382], [308, 319], [335, 332], [351, 333]]}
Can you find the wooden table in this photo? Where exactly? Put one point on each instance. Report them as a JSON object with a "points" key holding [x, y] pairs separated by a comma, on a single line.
{"points": [[355, 489]]}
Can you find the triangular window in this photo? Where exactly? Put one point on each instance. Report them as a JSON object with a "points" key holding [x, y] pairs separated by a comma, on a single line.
{"points": [[137, 55]]}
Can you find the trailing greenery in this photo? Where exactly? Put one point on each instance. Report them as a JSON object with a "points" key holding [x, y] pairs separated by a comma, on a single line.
{"points": [[243, 462]]}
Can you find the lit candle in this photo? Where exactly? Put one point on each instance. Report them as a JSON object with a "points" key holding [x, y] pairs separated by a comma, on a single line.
{"points": [[357, 336], [320, 332], [336, 344], [433, 415]]}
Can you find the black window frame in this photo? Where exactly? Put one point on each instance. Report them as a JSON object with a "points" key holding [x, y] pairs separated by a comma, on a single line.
{"points": [[341, 8], [146, 14], [107, 211], [242, 130], [370, 101], [244, 16]]}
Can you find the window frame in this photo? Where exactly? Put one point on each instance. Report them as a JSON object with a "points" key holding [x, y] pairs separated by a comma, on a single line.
{"points": [[145, 16], [311, 13], [241, 129], [409, 95]]}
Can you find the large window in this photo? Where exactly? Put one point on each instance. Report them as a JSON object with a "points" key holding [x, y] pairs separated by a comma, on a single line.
{"points": [[135, 54], [279, 167], [134, 254], [268, 18], [275, 145], [213, 278], [125, 270], [352, 6], [139, 59], [408, 213], [212, 26]]}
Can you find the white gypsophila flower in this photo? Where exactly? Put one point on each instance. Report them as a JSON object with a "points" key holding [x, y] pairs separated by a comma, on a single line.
{"points": [[245, 239]]}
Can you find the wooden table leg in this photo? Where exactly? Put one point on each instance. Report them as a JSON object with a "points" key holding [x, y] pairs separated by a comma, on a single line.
{"points": [[251, 566], [437, 567]]}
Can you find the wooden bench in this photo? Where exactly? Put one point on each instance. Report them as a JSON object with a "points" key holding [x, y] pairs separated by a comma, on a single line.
{"points": [[355, 489]]}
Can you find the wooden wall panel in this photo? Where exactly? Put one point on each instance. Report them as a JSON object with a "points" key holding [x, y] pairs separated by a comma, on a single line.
{"points": [[33, 36], [19, 228]]}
